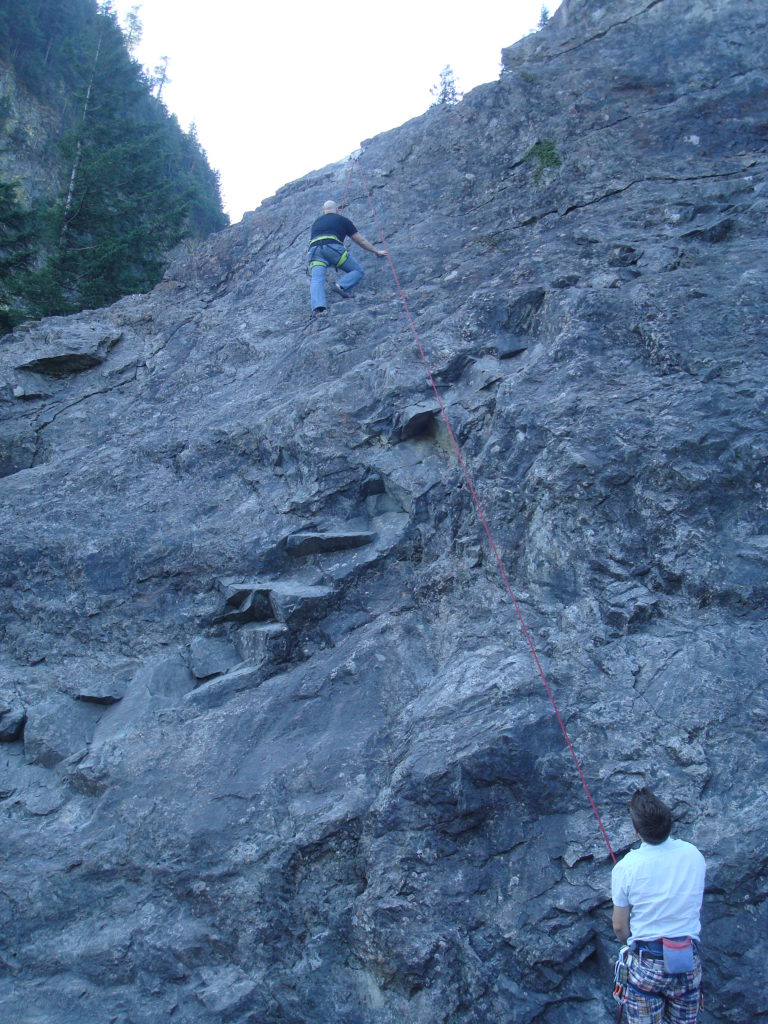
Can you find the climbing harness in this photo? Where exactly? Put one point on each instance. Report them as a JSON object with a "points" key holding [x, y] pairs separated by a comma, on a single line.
{"points": [[658, 951], [316, 261], [482, 517]]}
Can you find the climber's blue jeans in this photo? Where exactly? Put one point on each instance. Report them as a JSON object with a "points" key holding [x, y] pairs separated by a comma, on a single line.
{"points": [[351, 271]]}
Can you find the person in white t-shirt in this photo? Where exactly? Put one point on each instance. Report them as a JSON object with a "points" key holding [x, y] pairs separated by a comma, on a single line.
{"points": [[657, 892]]}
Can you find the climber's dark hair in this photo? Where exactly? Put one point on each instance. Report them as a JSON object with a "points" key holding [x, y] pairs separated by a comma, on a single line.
{"points": [[650, 816]]}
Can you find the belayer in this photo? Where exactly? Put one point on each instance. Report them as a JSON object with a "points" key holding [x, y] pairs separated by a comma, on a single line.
{"points": [[326, 249], [657, 892]]}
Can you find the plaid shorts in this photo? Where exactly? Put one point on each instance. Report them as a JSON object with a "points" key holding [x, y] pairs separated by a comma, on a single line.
{"points": [[655, 997]]}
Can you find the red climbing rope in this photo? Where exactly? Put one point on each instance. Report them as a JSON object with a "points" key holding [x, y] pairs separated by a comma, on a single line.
{"points": [[483, 519]]}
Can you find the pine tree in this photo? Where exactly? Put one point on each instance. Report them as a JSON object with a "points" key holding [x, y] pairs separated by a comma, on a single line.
{"points": [[133, 30], [445, 92], [543, 17], [160, 77]]}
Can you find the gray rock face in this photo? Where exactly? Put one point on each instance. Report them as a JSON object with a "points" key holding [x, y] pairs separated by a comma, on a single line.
{"points": [[56, 729], [12, 722], [274, 744], [35, 123], [211, 657], [59, 347]]}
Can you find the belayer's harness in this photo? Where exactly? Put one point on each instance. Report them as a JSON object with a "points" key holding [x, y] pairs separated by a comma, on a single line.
{"points": [[677, 955], [316, 261]]}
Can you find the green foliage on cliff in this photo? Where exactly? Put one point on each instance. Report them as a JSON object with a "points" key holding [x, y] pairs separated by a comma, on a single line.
{"points": [[132, 182], [546, 155], [15, 250]]}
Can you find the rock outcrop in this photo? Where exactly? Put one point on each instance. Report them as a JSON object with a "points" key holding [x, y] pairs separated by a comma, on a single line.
{"points": [[274, 747], [27, 128]]}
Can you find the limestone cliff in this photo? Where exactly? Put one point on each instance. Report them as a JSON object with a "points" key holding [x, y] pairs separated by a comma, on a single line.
{"points": [[275, 747]]}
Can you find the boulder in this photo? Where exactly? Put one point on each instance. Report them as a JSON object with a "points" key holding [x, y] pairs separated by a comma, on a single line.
{"points": [[57, 728], [210, 657]]}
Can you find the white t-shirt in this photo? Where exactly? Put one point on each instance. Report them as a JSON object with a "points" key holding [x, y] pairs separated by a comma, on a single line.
{"points": [[664, 886]]}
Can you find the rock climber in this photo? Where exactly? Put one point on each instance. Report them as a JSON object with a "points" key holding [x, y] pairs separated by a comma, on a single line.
{"points": [[657, 891], [326, 249]]}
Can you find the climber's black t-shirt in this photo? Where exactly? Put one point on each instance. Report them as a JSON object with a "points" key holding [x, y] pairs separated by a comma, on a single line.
{"points": [[333, 224]]}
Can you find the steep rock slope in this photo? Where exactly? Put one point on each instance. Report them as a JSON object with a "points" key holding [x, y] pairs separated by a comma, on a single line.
{"points": [[28, 133], [275, 745]]}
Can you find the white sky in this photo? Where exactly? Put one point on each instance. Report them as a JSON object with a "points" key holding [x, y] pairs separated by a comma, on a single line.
{"points": [[279, 88]]}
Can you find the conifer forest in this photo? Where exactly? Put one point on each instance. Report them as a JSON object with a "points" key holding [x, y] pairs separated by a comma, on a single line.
{"points": [[98, 182]]}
